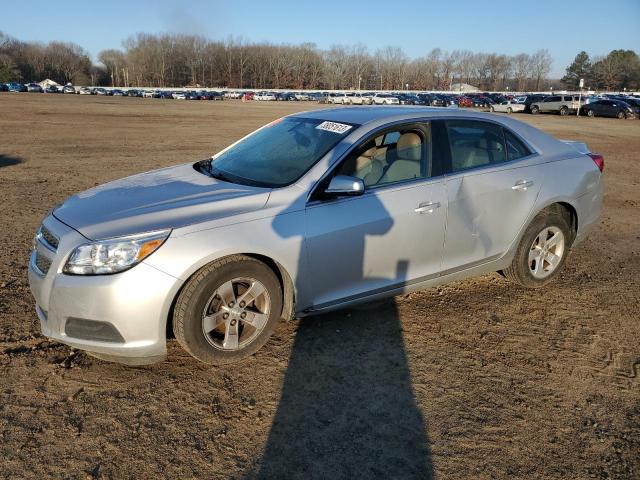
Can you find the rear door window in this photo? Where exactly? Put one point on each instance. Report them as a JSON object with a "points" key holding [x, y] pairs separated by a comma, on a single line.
{"points": [[474, 143], [515, 147]]}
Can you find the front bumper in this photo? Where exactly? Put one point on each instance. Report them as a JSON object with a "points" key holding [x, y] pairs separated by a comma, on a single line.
{"points": [[119, 317]]}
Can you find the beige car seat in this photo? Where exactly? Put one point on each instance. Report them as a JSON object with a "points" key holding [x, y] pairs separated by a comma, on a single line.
{"points": [[407, 163], [465, 156]]}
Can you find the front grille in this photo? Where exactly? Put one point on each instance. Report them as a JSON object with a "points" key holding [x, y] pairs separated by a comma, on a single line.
{"points": [[49, 237], [42, 263]]}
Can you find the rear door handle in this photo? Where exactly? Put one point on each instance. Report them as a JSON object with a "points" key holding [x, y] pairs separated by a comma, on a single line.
{"points": [[522, 185], [427, 207]]}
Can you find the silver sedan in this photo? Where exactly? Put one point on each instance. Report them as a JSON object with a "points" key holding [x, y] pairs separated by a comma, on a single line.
{"points": [[313, 212]]}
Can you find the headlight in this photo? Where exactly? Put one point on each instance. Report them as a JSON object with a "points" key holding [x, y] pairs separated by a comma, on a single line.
{"points": [[113, 255]]}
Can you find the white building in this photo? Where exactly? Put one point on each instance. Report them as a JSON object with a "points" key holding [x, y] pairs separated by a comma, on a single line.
{"points": [[463, 87]]}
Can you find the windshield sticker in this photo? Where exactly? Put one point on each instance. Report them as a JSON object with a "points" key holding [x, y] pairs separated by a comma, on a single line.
{"points": [[334, 127]]}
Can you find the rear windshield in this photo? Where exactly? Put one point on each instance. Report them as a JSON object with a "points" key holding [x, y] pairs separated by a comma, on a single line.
{"points": [[279, 153]]}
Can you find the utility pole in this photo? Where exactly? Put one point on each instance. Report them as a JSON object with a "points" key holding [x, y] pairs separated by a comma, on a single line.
{"points": [[580, 98]]}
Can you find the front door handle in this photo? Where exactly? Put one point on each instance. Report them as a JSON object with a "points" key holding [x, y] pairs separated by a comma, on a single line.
{"points": [[522, 185], [427, 207]]}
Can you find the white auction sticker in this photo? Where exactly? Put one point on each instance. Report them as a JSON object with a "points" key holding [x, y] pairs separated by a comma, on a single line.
{"points": [[333, 127]]}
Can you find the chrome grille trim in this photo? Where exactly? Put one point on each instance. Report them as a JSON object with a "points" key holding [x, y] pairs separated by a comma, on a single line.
{"points": [[48, 239], [42, 263]]}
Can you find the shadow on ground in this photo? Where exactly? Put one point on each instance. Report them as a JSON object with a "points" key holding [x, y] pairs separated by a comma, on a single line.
{"points": [[347, 408], [8, 160]]}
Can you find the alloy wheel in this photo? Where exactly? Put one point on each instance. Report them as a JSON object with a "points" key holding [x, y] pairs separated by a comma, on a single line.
{"points": [[546, 252], [236, 313]]}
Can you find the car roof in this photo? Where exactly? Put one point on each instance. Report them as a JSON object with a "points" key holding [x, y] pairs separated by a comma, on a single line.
{"points": [[372, 117], [373, 114]]}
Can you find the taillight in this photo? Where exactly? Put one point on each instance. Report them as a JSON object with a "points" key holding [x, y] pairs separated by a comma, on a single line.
{"points": [[598, 160]]}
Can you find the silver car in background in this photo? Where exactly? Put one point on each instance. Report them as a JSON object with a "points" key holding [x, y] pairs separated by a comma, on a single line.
{"points": [[359, 98], [313, 212], [384, 99], [508, 106]]}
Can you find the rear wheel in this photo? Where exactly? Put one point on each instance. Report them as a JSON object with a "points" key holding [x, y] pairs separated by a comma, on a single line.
{"points": [[509, 110], [542, 250], [564, 111], [493, 109], [228, 310], [535, 109]]}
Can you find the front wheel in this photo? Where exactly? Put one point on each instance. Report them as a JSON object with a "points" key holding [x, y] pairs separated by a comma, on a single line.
{"points": [[227, 310], [591, 113], [564, 111], [509, 110], [621, 115], [492, 109], [542, 250]]}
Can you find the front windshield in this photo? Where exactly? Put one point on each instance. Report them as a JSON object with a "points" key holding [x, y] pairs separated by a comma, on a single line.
{"points": [[279, 153]]}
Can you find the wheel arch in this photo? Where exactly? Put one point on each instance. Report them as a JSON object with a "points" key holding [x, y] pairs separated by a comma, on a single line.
{"points": [[563, 207], [286, 282], [288, 290]]}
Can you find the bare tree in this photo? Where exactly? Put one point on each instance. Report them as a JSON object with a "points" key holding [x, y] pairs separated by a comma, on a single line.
{"points": [[336, 66], [446, 70], [540, 66], [521, 66], [114, 61], [359, 64]]}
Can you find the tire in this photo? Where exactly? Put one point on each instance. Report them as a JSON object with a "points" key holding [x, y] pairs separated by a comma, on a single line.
{"points": [[206, 295], [535, 110], [621, 115], [591, 113], [509, 110], [564, 111], [492, 109], [525, 263]]}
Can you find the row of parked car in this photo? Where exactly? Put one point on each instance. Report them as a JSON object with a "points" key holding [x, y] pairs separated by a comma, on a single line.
{"points": [[35, 88], [112, 92], [356, 98], [609, 105], [168, 94]]}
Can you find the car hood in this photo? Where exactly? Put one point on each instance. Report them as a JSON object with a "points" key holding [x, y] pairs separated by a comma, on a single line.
{"points": [[168, 198]]}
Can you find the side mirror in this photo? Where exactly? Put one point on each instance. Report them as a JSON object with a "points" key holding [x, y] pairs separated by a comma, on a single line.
{"points": [[345, 185]]}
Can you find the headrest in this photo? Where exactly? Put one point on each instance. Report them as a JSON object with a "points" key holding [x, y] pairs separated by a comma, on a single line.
{"points": [[409, 146], [369, 152]]}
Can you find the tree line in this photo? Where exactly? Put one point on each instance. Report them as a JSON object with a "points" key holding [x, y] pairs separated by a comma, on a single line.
{"points": [[172, 60], [619, 70], [30, 61]]}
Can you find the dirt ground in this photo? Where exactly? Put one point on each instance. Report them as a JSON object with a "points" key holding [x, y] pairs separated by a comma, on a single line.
{"points": [[477, 379]]}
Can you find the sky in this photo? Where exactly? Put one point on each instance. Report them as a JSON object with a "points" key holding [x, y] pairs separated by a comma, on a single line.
{"points": [[564, 27]]}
